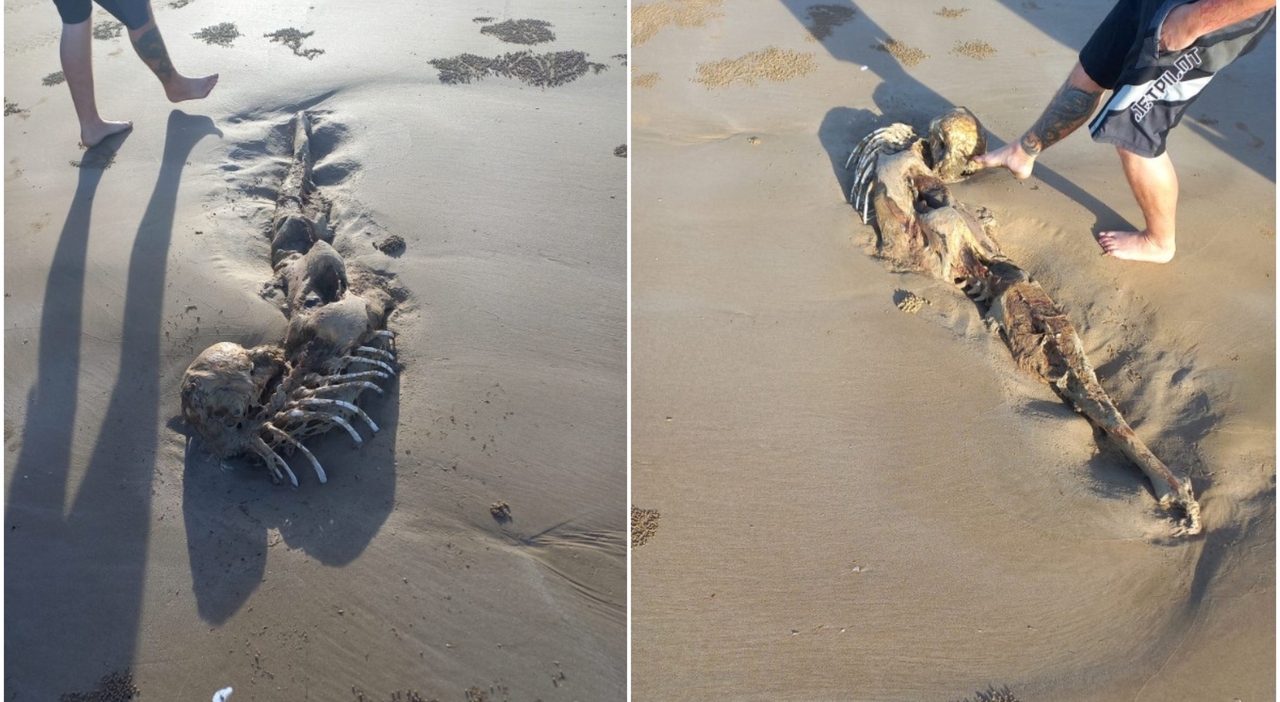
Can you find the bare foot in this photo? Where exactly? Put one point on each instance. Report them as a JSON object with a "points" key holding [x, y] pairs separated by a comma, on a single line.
{"points": [[182, 88], [1010, 156], [1136, 246], [92, 134]]}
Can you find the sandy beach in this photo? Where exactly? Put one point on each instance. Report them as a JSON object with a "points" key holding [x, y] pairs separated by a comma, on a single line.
{"points": [[847, 501], [129, 551]]}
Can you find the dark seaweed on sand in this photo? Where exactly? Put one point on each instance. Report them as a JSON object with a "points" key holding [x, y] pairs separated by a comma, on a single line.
{"points": [[292, 38], [540, 70], [525, 31], [221, 34]]}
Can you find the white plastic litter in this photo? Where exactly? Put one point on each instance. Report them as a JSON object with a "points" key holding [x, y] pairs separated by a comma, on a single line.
{"points": [[222, 695]]}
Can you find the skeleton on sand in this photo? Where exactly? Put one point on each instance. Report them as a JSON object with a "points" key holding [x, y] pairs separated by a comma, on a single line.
{"points": [[900, 183], [266, 400]]}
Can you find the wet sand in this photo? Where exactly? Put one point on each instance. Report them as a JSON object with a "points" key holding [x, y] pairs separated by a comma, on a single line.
{"points": [[858, 502], [128, 550]]}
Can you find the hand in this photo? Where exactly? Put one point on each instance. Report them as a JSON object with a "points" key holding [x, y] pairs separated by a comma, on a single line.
{"points": [[1178, 31]]}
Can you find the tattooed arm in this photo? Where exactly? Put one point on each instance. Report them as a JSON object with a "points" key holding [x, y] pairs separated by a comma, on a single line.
{"points": [[1071, 107]]}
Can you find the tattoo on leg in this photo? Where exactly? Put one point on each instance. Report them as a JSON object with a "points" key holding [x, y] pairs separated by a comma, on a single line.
{"points": [[1069, 109], [151, 48]]}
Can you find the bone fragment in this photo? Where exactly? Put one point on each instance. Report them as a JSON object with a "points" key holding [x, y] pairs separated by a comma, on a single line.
{"points": [[381, 353], [371, 361], [325, 402], [315, 464], [324, 417]]}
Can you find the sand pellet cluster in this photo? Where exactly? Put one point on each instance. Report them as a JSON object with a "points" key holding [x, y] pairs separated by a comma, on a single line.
{"points": [[292, 38], [771, 64], [500, 511], [539, 70], [906, 55], [393, 245], [647, 20], [974, 49], [912, 303], [179, 4], [114, 687], [644, 524], [951, 12], [824, 18], [523, 31], [219, 34], [56, 78], [645, 80], [620, 151]]}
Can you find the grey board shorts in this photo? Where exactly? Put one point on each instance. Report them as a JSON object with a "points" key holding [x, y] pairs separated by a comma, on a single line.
{"points": [[1151, 89]]}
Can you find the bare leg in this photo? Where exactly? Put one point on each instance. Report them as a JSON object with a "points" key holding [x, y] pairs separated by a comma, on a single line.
{"points": [[76, 52], [150, 47], [1071, 107], [1155, 185]]}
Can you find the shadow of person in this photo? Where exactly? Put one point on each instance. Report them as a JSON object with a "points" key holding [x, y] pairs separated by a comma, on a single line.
{"points": [[73, 590]]}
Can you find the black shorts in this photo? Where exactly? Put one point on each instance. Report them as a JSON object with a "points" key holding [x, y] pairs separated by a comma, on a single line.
{"points": [[131, 13], [1152, 89]]}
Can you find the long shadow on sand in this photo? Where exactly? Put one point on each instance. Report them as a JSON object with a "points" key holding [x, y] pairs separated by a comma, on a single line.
{"points": [[73, 586]]}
